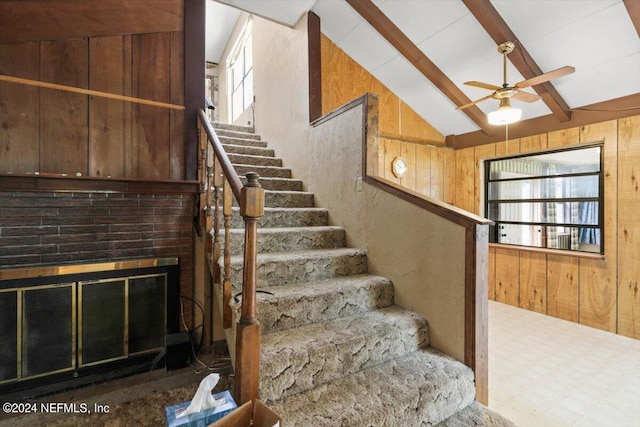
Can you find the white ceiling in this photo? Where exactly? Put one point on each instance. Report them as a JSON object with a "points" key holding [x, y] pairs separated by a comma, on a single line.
{"points": [[597, 37], [219, 24]]}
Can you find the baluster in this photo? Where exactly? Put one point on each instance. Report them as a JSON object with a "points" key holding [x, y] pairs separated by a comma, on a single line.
{"points": [[248, 328], [227, 202], [203, 184], [216, 183]]}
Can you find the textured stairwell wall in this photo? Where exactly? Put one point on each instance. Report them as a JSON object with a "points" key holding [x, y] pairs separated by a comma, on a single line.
{"points": [[421, 253]]}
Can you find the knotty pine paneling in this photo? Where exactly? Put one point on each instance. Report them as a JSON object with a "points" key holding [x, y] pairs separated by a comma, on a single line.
{"points": [[562, 287], [63, 115], [465, 178], [508, 147], [110, 120], [391, 150], [481, 153], [533, 281], [629, 227], [598, 278], [411, 124], [19, 109], [562, 138], [150, 134], [423, 169], [343, 80], [449, 157], [408, 152], [437, 173], [533, 143], [507, 282]]}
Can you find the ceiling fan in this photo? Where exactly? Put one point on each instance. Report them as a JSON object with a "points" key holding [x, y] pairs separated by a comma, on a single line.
{"points": [[505, 92]]}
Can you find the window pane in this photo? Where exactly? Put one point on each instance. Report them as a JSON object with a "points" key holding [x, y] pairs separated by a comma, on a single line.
{"points": [[236, 101], [545, 188], [551, 212], [248, 90], [237, 73], [567, 238], [248, 54], [557, 163]]}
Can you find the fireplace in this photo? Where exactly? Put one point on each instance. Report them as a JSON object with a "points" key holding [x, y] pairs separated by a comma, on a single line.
{"points": [[71, 325]]}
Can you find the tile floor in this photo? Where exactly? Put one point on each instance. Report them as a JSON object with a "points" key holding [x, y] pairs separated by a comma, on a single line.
{"points": [[549, 372]]}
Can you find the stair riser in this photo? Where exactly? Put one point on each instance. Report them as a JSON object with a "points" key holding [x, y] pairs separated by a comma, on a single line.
{"points": [[295, 366], [290, 241], [274, 172], [252, 151], [285, 218], [281, 272], [286, 200], [281, 313], [236, 134], [255, 160], [278, 184], [240, 141]]}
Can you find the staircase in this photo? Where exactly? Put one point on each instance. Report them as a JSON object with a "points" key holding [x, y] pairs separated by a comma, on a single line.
{"points": [[336, 351]]}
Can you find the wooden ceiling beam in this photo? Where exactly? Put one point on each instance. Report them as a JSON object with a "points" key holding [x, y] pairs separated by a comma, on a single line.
{"points": [[487, 15], [633, 9], [612, 109], [387, 29]]}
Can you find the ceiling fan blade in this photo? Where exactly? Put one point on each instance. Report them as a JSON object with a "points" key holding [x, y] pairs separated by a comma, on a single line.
{"points": [[482, 85], [563, 71], [462, 107], [526, 96]]}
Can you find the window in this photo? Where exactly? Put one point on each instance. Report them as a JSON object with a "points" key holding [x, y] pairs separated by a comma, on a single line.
{"points": [[240, 72], [547, 200]]}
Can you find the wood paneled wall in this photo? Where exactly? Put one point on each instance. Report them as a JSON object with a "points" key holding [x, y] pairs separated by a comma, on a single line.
{"points": [[52, 131], [601, 293], [431, 169], [131, 48], [344, 80]]}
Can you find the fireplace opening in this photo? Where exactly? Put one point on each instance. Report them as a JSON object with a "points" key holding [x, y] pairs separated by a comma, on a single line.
{"points": [[72, 325]]}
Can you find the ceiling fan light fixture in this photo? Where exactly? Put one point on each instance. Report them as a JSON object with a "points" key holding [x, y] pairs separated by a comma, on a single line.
{"points": [[505, 114]]}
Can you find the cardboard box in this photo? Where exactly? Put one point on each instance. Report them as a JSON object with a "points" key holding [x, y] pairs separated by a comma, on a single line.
{"points": [[251, 414], [203, 418]]}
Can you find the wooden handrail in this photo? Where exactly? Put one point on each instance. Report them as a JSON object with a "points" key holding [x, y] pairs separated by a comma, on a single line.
{"points": [[229, 171], [90, 92], [217, 173]]}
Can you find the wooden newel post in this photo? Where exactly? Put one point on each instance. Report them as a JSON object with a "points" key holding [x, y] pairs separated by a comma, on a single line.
{"points": [[248, 328]]}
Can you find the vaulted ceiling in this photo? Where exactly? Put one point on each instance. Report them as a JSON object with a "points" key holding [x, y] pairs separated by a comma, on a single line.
{"points": [[425, 50]]}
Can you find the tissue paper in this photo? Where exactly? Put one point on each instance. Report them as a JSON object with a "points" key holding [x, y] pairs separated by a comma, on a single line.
{"points": [[204, 408]]}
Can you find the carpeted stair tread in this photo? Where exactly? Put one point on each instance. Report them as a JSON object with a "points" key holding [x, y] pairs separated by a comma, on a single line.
{"points": [[301, 304], [280, 268], [232, 127], [295, 360], [249, 142], [286, 199], [291, 239], [246, 149], [422, 388], [285, 217], [250, 159], [271, 171], [278, 184], [228, 133], [476, 415]]}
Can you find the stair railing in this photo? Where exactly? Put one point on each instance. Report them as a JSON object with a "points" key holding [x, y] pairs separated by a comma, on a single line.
{"points": [[217, 174]]}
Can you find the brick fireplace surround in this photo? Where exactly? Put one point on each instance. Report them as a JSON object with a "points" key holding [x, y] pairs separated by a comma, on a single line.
{"points": [[55, 227]]}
